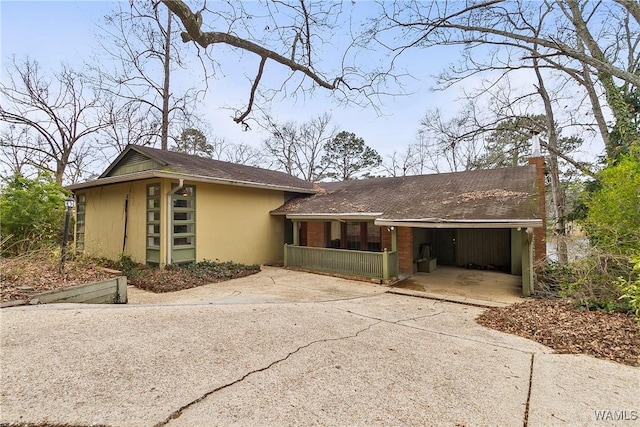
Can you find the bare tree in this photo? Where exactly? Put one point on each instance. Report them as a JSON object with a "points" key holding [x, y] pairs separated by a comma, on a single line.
{"points": [[127, 125], [454, 144], [60, 110], [293, 35], [142, 42], [15, 160], [243, 154], [577, 46], [570, 37], [579, 15], [298, 148], [400, 163], [280, 147]]}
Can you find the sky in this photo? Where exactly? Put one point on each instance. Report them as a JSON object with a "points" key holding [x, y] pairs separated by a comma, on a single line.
{"points": [[52, 32]]}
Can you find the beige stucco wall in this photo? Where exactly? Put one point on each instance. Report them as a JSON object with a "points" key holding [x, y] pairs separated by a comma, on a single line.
{"points": [[104, 220], [233, 224]]}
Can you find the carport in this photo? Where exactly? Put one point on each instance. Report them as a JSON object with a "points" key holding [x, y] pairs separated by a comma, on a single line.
{"points": [[503, 247]]}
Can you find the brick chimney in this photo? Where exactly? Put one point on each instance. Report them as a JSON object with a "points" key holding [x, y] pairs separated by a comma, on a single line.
{"points": [[539, 234]]}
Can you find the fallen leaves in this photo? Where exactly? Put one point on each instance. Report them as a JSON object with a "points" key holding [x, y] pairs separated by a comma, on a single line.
{"points": [[563, 327], [24, 277]]}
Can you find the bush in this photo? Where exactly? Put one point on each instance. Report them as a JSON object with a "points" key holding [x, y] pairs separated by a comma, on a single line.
{"points": [[177, 277], [126, 265], [591, 281], [613, 218], [32, 212], [215, 270], [630, 288]]}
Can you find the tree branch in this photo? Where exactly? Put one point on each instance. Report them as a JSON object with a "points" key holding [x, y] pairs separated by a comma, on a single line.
{"points": [[192, 24], [254, 87]]}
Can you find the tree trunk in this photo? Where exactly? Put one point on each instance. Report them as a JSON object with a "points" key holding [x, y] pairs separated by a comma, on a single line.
{"points": [[164, 137], [619, 107], [557, 194]]}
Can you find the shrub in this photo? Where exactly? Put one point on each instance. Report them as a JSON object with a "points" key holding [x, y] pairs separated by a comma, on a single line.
{"points": [[630, 288], [126, 265], [613, 218], [32, 212], [592, 281], [216, 270]]}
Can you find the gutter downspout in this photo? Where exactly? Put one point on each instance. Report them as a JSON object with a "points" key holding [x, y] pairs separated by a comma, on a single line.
{"points": [[126, 220], [169, 222]]}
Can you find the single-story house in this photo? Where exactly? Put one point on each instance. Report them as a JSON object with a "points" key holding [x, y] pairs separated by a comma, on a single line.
{"points": [[162, 207]]}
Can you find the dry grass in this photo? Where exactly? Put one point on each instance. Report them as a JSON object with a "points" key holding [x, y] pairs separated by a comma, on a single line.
{"points": [[39, 271]]}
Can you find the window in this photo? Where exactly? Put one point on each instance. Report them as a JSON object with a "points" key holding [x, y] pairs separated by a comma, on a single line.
{"points": [[353, 235], [183, 226], [81, 204], [153, 224], [373, 238], [363, 236]]}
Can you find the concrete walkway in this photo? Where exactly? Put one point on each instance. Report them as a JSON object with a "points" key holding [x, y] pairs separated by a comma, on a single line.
{"points": [[351, 356], [270, 285]]}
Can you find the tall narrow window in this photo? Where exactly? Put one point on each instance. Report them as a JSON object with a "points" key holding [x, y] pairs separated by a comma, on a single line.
{"points": [[373, 237], [153, 224], [353, 235], [183, 227], [81, 204]]}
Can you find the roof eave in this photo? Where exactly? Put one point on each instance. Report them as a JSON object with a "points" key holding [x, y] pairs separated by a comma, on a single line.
{"points": [[136, 176], [333, 216], [459, 223]]}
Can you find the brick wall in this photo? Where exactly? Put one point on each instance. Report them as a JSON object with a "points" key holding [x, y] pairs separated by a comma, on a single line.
{"points": [[315, 234], [540, 234], [405, 249], [385, 238]]}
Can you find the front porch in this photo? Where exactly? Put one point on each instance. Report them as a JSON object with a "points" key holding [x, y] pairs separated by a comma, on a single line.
{"points": [[375, 265]]}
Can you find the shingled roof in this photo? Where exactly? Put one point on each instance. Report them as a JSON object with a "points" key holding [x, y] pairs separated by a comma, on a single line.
{"points": [[169, 164], [505, 194]]}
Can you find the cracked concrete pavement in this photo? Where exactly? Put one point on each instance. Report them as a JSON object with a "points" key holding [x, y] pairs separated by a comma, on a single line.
{"points": [[292, 349]]}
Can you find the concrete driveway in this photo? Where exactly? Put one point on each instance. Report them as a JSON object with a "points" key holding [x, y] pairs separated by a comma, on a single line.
{"points": [[341, 353]]}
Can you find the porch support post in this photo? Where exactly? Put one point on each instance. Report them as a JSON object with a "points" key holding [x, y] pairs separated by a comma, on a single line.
{"points": [[527, 264], [296, 233], [385, 265], [394, 239], [286, 255]]}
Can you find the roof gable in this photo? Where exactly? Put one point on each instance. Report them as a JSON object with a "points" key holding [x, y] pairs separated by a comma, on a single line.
{"points": [[130, 161]]}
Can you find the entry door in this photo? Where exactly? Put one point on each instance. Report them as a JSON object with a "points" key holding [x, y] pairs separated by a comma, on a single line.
{"points": [[445, 246]]}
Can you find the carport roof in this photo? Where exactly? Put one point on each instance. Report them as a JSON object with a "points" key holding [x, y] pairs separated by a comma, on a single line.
{"points": [[506, 195]]}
